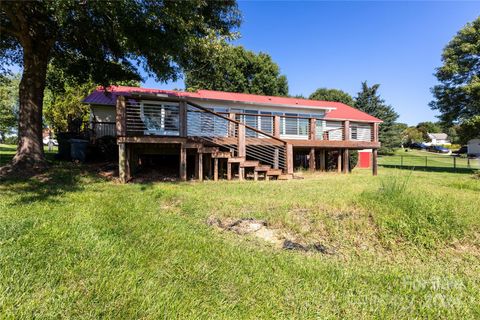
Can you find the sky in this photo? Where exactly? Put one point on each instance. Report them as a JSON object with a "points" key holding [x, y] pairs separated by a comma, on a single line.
{"points": [[340, 44]]}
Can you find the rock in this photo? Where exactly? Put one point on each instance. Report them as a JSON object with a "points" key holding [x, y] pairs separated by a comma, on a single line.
{"points": [[290, 245]]}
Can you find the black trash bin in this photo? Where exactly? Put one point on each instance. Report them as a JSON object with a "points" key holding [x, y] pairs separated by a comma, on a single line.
{"points": [[78, 149]]}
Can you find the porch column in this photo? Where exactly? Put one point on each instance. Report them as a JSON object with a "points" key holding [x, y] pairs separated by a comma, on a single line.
{"points": [[241, 140], [289, 159], [122, 163], [339, 160], [200, 166], [120, 116], [215, 169], [313, 129], [346, 130], [229, 170], [183, 163], [276, 126], [311, 160], [346, 161], [374, 162], [182, 113], [322, 160]]}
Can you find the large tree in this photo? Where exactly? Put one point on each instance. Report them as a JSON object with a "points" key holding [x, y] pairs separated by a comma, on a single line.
{"points": [[8, 104], [101, 41], [368, 100], [428, 127], [457, 97], [469, 129], [235, 69], [332, 95]]}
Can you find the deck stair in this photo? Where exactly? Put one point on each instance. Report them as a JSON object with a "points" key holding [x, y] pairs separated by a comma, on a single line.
{"points": [[244, 148]]}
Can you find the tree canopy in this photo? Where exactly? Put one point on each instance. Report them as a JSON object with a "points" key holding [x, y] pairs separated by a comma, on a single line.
{"points": [[411, 134], [368, 100], [335, 95], [469, 129], [8, 104], [102, 41], [235, 69], [457, 97], [428, 127]]}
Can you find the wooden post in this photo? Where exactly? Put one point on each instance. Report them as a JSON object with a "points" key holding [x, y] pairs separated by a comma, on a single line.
{"points": [[255, 175], [311, 160], [313, 129], [241, 140], [289, 158], [200, 167], [231, 125], [339, 161], [229, 171], [346, 161], [122, 162], [215, 169], [374, 162], [276, 126], [375, 132], [182, 114], [183, 163], [346, 130], [241, 173], [322, 160], [120, 116]]}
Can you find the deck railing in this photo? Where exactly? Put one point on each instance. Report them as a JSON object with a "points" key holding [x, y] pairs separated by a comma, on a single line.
{"points": [[241, 139], [163, 118]]}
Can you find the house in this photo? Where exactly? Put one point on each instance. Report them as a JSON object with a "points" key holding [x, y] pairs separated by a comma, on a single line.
{"points": [[437, 139], [236, 134], [473, 147]]}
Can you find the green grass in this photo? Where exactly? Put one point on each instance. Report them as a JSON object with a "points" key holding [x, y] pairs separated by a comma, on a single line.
{"points": [[73, 245], [433, 161]]}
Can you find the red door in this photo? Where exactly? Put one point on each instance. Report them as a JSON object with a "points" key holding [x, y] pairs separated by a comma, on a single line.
{"points": [[364, 159]]}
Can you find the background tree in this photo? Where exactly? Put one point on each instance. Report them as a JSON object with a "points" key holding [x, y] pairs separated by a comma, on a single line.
{"points": [[101, 41], [369, 101], [469, 129], [332, 95], [8, 104], [428, 127], [234, 69], [457, 97], [411, 135]]}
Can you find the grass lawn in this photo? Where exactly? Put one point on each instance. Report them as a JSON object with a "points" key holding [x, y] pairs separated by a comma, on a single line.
{"points": [[405, 245], [433, 161]]}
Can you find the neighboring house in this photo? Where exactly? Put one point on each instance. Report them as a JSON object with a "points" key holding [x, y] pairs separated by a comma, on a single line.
{"points": [[233, 133], [473, 147], [437, 139]]}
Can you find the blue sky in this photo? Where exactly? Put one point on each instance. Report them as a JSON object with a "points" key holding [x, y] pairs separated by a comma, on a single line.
{"points": [[340, 44]]}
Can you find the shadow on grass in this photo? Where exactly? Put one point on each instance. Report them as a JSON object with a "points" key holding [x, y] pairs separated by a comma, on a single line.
{"points": [[58, 180], [430, 169]]}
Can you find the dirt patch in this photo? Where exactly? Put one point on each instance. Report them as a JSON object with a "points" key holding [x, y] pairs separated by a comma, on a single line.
{"points": [[259, 229]]}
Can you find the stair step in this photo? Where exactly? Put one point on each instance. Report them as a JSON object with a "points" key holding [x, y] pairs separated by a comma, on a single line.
{"points": [[221, 154], [274, 172], [236, 160], [249, 164], [262, 168], [285, 177]]}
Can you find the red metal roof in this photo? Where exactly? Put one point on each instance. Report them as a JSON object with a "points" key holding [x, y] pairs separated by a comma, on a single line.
{"points": [[338, 110]]}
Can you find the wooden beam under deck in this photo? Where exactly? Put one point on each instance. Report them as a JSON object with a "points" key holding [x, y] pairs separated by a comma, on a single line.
{"points": [[333, 144]]}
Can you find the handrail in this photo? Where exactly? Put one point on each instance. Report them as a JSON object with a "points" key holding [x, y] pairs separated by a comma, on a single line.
{"points": [[234, 121]]}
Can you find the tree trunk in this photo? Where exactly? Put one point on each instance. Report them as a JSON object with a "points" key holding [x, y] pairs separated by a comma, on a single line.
{"points": [[30, 153]]}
